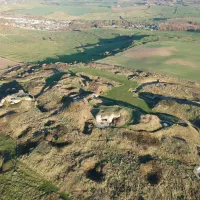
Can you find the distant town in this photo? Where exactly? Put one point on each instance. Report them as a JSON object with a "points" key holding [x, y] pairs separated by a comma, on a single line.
{"points": [[33, 24], [30, 23]]}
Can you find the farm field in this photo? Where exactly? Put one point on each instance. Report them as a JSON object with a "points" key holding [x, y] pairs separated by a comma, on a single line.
{"points": [[105, 11], [41, 46], [167, 56], [173, 53], [70, 10]]}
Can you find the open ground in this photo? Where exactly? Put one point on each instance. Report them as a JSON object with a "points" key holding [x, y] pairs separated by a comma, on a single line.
{"points": [[4, 63], [172, 53]]}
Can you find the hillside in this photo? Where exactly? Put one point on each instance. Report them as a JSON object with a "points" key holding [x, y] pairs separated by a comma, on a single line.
{"points": [[73, 133], [99, 99]]}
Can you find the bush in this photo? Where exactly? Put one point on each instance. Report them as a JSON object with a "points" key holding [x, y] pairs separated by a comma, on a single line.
{"points": [[64, 196], [7, 145], [48, 187], [142, 138]]}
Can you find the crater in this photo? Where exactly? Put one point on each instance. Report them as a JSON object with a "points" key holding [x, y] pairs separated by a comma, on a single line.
{"points": [[154, 178], [145, 158], [95, 175], [88, 128]]}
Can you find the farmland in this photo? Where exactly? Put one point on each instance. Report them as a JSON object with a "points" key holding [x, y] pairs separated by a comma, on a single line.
{"points": [[140, 13], [46, 47], [60, 46], [177, 56]]}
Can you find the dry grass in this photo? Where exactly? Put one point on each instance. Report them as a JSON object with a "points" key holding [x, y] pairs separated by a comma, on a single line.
{"points": [[146, 169], [4, 63], [182, 62], [127, 163], [143, 139], [141, 53], [128, 9]]}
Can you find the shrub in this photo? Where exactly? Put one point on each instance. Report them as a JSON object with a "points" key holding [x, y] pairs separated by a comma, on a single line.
{"points": [[48, 187], [142, 138], [64, 196]]}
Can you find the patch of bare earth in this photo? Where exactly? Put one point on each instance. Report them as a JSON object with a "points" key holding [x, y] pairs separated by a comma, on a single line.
{"points": [[128, 9], [182, 62], [140, 53], [4, 63]]}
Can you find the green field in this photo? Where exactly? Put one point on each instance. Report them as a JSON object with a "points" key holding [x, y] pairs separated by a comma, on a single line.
{"points": [[92, 45], [183, 61], [69, 10], [103, 10], [41, 46], [116, 93]]}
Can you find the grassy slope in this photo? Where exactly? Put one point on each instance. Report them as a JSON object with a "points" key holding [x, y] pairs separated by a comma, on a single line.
{"points": [[116, 93], [17, 181]]}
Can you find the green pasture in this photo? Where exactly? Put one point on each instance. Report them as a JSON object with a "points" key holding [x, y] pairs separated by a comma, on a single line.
{"points": [[69, 10], [102, 10], [15, 7], [42, 46], [187, 53], [91, 45], [87, 2]]}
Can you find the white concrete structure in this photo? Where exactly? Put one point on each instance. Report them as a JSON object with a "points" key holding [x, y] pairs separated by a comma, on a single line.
{"points": [[104, 120], [95, 95], [197, 172], [16, 98]]}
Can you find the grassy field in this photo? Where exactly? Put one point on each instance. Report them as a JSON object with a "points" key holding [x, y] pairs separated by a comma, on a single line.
{"points": [[70, 10], [116, 93], [174, 54], [41, 46], [15, 7], [105, 10]]}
